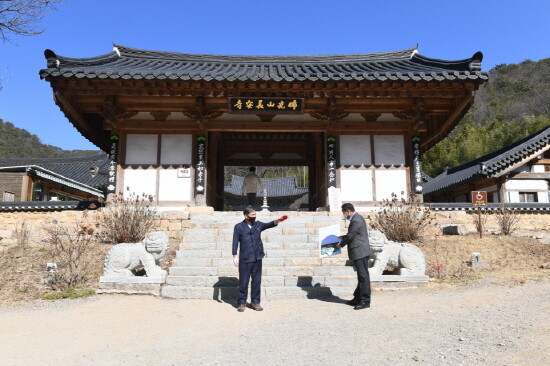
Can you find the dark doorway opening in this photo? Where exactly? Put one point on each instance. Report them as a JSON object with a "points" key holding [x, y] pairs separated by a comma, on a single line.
{"points": [[283, 188], [276, 155]]}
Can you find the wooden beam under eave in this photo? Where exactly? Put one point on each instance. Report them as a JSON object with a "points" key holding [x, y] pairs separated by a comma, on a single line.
{"points": [[450, 122], [264, 126], [370, 127], [158, 125], [68, 108]]}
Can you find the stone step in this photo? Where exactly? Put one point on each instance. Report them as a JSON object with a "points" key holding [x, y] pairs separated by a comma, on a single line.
{"points": [[220, 281], [223, 266], [267, 281], [290, 223], [226, 254], [226, 247], [231, 293], [228, 238], [276, 231]]}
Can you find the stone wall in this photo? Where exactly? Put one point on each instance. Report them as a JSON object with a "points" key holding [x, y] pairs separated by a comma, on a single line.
{"points": [[531, 223], [173, 223]]}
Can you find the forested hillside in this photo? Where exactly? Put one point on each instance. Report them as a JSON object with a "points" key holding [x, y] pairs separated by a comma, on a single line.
{"points": [[514, 103], [19, 143]]}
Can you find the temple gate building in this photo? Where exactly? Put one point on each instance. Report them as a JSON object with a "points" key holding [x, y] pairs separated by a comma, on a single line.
{"points": [[172, 121]]}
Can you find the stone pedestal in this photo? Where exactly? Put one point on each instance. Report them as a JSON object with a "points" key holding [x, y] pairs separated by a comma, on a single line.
{"points": [[131, 285], [399, 278]]}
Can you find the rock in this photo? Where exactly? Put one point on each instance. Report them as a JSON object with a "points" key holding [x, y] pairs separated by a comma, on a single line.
{"points": [[455, 230], [416, 358], [545, 265]]}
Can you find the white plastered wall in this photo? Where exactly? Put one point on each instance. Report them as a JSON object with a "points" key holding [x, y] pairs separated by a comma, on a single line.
{"points": [[141, 149], [161, 182], [389, 150], [390, 182], [357, 184], [140, 181], [176, 149], [173, 188], [355, 150], [515, 186]]}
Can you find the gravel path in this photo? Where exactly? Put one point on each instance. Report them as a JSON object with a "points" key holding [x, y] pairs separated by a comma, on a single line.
{"points": [[480, 324]]}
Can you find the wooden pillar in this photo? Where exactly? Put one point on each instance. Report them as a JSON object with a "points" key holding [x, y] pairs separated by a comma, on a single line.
{"points": [[26, 188]]}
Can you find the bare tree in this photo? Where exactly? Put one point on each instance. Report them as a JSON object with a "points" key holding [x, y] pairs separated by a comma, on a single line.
{"points": [[21, 17]]}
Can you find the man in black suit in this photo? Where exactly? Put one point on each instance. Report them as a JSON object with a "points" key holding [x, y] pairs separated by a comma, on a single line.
{"points": [[357, 240]]}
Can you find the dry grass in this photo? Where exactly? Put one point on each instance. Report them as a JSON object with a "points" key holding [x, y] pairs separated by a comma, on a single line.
{"points": [[504, 256], [514, 258], [21, 268]]}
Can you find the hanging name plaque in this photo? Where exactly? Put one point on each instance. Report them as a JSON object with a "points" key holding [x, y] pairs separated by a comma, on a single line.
{"points": [[417, 165], [331, 162], [272, 105], [113, 151], [200, 166]]}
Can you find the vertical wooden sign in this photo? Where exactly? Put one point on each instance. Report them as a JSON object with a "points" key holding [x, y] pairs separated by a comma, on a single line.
{"points": [[113, 151], [332, 162], [417, 165], [200, 166]]}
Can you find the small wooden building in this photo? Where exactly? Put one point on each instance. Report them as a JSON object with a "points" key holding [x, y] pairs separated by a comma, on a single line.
{"points": [[519, 172], [172, 121], [58, 179]]}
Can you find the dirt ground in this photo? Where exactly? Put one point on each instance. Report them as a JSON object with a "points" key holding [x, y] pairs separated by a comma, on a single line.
{"points": [[499, 315], [483, 322]]}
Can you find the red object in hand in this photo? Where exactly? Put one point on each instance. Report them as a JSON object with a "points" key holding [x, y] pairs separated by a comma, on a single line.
{"points": [[282, 218]]}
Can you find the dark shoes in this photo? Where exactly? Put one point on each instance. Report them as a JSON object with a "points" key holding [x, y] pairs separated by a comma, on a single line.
{"points": [[353, 302], [361, 305], [241, 308], [256, 307]]}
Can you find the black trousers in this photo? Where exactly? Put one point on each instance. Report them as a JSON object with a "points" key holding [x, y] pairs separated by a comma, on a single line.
{"points": [[362, 292], [246, 271], [251, 198]]}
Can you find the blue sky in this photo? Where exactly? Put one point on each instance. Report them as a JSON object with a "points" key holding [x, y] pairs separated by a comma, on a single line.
{"points": [[505, 31]]}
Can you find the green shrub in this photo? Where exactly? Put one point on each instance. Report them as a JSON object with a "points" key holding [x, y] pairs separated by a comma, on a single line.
{"points": [[69, 293]]}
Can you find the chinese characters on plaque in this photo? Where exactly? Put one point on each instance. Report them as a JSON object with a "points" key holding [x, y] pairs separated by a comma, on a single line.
{"points": [[113, 150], [200, 167], [258, 104], [417, 165], [331, 161]]}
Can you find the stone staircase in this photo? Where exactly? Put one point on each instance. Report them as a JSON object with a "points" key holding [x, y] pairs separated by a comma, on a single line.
{"points": [[292, 267]]}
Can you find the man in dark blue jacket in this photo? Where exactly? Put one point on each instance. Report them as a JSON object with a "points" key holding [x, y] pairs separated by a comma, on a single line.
{"points": [[251, 252]]}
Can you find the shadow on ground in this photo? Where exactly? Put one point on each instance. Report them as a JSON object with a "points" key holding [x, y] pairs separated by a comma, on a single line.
{"points": [[318, 292]]}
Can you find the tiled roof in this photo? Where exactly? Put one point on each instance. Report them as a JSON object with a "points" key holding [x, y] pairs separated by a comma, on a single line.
{"points": [[490, 165], [38, 206], [75, 168], [517, 206], [131, 63], [275, 187], [50, 205]]}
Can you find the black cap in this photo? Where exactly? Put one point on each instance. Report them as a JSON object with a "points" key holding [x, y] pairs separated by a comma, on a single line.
{"points": [[248, 210]]}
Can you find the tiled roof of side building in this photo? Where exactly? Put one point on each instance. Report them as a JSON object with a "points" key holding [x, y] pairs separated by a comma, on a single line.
{"points": [[492, 164], [75, 168], [131, 63]]}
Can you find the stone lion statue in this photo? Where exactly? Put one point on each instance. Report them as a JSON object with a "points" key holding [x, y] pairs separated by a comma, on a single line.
{"points": [[406, 259], [124, 258]]}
